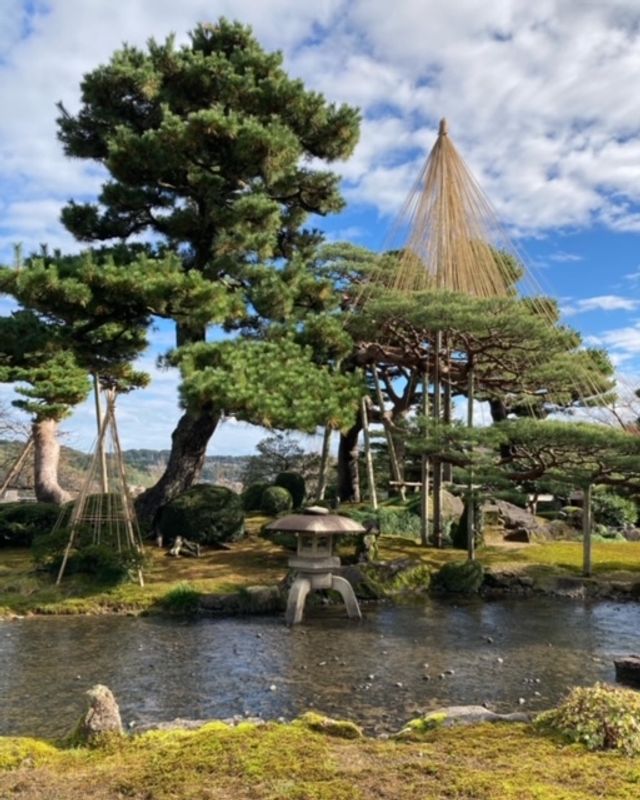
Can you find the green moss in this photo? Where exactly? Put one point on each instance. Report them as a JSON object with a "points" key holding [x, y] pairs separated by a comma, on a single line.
{"points": [[15, 752], [463, 577], [281, 762], [415, 729], [182, 600], [342, 729]]}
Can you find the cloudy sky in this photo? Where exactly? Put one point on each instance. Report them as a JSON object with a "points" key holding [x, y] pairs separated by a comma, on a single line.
{"points": [[541, 100]]}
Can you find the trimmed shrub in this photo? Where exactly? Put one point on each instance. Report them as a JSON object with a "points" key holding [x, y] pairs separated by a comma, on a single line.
{"points": [[101, 561], [613, 510], [461, 577], [20, 523], [252, 496], [204, 514], [276, 500], [295, 484], [601, 717]]}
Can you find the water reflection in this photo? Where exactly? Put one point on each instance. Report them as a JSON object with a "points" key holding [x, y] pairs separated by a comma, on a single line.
{"points": [[373, 672]]}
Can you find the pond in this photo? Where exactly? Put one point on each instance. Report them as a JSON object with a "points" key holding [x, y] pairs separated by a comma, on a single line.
{"points": [[372, 672]]}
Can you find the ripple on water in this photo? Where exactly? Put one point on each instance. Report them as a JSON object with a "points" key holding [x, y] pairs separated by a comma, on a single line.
{"points": [[398, 662]]}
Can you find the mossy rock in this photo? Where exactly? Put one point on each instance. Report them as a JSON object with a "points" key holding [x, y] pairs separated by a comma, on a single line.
{"points": [[295, 484], [460, 577], [409, 578], [205, 514], [276, 500], [416, 729], [339, 728]]}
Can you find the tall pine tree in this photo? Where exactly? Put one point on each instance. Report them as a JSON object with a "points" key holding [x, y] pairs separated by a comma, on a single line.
{"points": [[208, 147]]}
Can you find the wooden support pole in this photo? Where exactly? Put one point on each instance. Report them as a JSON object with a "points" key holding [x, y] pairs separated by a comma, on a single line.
{"points": [[101, 452], [436, 463], [16, 467], [471, 544], [586, 530], [447, 469], [424, 488], [367, 454], [324, 463]]}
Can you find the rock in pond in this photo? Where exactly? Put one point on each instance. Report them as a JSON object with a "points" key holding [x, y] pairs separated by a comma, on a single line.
{"points": [[628, 669], [102, 717]]}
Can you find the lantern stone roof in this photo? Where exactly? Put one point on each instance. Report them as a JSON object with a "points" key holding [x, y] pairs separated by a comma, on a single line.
{"points": [[316, 523]]}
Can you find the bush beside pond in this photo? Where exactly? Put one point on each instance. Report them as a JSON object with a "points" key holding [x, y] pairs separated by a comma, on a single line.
{"points": [[459, 577], [205, 514], [600, 717]]}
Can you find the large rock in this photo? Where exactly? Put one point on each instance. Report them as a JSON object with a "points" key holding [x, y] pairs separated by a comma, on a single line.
{"points": [[455, 715], [102, 716], [513, 517], [628, 670]]}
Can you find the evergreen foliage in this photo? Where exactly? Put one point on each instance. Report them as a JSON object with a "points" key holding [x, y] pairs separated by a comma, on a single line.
{"points": [[276, 500], [21, 523], [252, 496], [205, 514], [613, 510], [295, 484]]}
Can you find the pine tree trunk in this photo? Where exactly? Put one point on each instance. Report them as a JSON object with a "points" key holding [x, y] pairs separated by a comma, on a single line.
{"points": [[188, 447], [348, 469], [45, 463]]}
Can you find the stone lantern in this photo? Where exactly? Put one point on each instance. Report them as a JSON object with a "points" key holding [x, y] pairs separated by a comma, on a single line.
{"points": [[314, 560]]}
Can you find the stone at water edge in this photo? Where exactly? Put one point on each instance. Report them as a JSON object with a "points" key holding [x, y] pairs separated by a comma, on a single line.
{"points": [[101, 717], [628, 669]]}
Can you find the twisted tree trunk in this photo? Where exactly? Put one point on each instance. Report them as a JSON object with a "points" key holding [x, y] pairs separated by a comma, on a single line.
{"points": [[348, 468], [188, 448], [46, 459]]}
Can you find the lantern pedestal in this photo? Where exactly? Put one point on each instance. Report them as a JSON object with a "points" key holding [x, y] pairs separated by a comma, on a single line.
{"points": [[311, 577], [314, 561]]}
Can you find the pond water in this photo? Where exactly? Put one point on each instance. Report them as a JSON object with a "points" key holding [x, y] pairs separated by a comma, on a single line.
{"points": [[371, 672]]}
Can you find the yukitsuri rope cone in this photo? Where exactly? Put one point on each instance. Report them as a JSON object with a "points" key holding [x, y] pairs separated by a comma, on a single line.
{"points": [[103, 513], [451, 234]]}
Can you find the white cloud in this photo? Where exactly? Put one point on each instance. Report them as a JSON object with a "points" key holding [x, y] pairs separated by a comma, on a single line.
{"points": [[562, 257], [605, 302]]}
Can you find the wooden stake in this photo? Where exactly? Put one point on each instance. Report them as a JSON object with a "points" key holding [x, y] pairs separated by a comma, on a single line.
{"points": [[367, 454], [17, 466], [424, 489], [471, 544], [437, 464], [101, 452], [586, 530], [324, 462]]}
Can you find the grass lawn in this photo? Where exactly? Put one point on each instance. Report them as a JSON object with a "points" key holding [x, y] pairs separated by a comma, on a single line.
{"points": [[257, 561], [249, 562], [276, 762], [611, 560]]}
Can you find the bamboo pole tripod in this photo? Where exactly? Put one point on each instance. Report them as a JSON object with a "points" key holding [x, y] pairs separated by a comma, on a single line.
{"points": [[99, 516]]}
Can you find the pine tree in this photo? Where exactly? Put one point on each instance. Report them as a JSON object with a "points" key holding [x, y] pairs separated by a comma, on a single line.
{"points": [[66, 330], [208, 148]]}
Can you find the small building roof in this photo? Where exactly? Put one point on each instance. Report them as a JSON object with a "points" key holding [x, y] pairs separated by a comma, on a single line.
{"points": [[316, 523]]}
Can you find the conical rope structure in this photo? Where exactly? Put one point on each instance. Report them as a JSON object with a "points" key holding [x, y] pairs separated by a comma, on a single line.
{"points": [[448, 238], [103, 512]]}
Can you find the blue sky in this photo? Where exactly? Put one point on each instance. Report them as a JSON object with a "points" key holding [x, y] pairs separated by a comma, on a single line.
{"points": [[541, 101]]}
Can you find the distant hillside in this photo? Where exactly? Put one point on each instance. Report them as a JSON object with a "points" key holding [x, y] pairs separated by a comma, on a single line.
{"points": [[144, 467]]}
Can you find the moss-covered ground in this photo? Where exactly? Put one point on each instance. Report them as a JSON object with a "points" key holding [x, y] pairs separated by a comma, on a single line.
{"points": [[257, 561], [249, 562], [291, 762]]}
